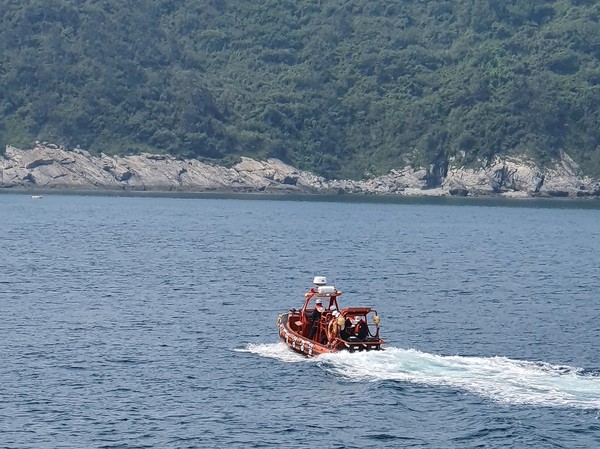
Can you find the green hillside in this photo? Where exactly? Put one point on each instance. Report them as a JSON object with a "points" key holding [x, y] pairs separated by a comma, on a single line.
{"points": [[344, 88]]}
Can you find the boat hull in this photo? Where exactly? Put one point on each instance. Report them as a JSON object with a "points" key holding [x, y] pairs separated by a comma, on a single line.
{"points": [[304, 345], [298, 342]]}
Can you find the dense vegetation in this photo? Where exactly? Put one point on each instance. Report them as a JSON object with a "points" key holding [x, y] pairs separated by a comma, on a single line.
{"points": [[344, 88]]}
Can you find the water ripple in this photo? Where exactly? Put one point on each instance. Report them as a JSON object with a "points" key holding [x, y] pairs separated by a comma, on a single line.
{"points": [[151, 322]]}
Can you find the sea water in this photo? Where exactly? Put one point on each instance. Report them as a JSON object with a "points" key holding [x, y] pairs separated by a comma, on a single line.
{"points": [[151, 322]]}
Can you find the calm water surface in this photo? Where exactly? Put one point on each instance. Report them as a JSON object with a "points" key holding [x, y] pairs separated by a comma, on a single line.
{"points": [[151, 322]]}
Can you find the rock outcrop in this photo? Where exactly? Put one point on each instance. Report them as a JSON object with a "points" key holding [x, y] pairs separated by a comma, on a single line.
{"points": [[48, 166]]}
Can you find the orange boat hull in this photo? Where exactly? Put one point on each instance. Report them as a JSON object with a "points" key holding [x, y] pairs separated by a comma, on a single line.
{"points": [[298, 342]]}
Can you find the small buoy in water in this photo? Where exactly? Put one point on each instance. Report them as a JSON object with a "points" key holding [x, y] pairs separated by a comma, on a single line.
{"points": [[36, 197]]}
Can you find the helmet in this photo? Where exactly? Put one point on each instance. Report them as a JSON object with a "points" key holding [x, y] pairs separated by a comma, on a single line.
{"points": [[319, 301], [335, 313]]}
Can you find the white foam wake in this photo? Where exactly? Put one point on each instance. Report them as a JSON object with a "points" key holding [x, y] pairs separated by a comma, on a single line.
{"points": [[499, 378], [278, 351]]}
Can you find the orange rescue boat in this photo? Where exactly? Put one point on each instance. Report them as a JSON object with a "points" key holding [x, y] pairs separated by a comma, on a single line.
{"points": [[320, 326]]}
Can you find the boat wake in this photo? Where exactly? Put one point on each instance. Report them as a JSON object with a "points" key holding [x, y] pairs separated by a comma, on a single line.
{"points": [[278, 351], [498, 378]]}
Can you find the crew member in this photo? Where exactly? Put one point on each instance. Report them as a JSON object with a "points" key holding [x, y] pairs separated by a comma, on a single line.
{"points": [[315, 318], [361, 329], [346, 330], [333, 328]]}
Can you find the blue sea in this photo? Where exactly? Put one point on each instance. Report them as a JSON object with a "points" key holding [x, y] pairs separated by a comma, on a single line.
{"points": [[151, 322]]}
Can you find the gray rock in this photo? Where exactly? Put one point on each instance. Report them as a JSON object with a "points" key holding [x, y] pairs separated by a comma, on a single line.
{"points": [[49, 166], [458, 192]]}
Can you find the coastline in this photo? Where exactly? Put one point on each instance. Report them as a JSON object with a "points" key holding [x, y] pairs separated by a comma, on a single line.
{"points": [[482, 201], [50, 168]]}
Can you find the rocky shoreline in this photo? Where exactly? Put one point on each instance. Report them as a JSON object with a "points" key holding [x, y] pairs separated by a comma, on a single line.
{"points": [[49, 167]]}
